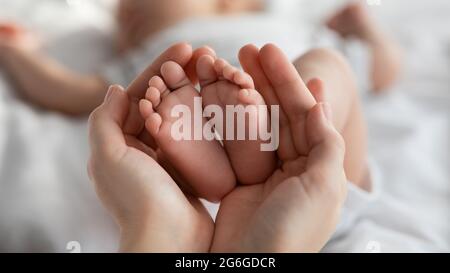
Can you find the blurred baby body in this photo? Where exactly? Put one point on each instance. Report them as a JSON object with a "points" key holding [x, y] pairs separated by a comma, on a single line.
{"points": [[223, 25]]}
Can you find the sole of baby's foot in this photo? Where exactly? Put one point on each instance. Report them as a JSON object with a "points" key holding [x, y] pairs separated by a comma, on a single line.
{"points": [[354, 20], [202, 163], [223, 85]]}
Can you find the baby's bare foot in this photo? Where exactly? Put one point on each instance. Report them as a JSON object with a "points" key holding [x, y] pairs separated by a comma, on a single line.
{"points": [[354, 20], [224, 85], [202, 163]]}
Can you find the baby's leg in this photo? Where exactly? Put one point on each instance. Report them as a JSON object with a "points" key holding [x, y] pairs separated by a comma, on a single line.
{"points": [[330, 79], [355, 21]]}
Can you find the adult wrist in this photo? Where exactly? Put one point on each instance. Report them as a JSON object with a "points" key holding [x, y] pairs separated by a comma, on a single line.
{"points": [[142, 238], [148, 236]]}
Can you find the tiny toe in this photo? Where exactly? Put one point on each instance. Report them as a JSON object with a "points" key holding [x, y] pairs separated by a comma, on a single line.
{"points": [[174, 75], [154, 96], [145, 108], [250, 96], [244, 80], [153, 124], [205, 70], [158, 83], [228, 72], [219, 66]]}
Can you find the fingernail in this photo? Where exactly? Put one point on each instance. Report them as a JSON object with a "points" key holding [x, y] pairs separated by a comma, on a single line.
{"points": [[245, 92], [210, 49], [326, 110], [111, 90]]}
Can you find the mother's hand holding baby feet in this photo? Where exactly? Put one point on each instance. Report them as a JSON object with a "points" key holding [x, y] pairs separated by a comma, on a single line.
{"points": [[295, 210], [298, 207], [153, 213]]}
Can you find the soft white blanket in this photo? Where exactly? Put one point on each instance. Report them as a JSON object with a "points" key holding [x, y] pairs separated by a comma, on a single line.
{"points": [[409, 142], [46, 199]]}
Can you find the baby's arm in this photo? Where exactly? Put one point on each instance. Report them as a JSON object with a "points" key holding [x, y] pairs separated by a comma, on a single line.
{"points": [[48, 84]]}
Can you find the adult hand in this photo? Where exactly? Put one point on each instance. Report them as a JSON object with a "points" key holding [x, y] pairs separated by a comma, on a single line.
{"points": [[298, 208], [153, 213], [151, 210]]}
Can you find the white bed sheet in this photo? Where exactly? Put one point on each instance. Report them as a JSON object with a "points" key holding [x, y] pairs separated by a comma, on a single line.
{"points": [[46, 199]]}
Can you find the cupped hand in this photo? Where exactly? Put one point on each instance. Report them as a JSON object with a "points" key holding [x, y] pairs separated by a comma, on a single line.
{"points": [[151, 210], [295, 210], [153, 213], [298, 207]]}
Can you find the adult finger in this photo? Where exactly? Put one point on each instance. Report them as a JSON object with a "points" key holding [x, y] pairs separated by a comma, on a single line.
{"points": [[191, 67], [325, 163], [290, 89], [249, 57], [105, 125], [316, 87], [292, 93]]}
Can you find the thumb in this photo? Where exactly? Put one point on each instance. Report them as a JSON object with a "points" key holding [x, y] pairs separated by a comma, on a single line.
{"points": [[105, 124], [316, 87], [326, 145]]}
